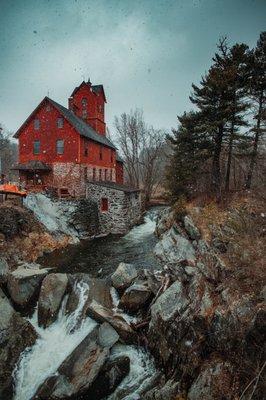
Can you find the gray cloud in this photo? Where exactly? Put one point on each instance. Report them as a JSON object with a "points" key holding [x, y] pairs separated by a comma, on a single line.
{"points": [[146, 53]]}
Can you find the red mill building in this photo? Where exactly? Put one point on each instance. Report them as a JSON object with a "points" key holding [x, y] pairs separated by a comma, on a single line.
{"points": [[66, 148]]}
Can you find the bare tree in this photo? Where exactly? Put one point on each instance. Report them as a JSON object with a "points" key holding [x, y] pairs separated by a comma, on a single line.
{"points": [[141, 147], [8, 152]]}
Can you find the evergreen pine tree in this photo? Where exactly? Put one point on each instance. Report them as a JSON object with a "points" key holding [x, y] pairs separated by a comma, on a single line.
{"points": [[257, 93]]}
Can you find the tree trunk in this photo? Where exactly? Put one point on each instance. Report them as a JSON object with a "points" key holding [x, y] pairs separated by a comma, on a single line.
{"points": [[229, 159], [254, 153], [216, 169]]}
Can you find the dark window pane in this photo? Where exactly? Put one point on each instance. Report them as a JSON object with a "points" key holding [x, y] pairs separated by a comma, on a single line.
{"points": [[60, 146], [60, 122], [36, 147], [36, 124]]}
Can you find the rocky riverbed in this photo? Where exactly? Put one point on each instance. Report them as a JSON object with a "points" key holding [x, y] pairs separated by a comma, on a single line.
{"points": [[186, 330]]}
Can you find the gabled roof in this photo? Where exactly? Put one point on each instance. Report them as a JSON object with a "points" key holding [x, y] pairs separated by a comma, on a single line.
{"points": [[95, 89], [81, 127], [119, 158]]}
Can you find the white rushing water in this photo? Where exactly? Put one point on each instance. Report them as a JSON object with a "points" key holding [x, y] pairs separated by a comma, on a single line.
{"points": [[141, 374], [139, 232], [52, 347]]}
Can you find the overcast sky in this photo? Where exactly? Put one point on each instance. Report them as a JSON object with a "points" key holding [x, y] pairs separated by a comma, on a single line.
{"points": [[146, 53]]}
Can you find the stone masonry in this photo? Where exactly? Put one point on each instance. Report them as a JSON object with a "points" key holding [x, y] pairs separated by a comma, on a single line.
{"points": [[123, 206]]}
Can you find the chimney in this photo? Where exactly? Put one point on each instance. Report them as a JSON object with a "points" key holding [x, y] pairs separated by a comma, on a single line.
{"points": [[71, 104]]}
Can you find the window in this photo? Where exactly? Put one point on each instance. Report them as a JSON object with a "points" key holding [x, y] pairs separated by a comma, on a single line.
{"points": [[105, 174], [100, 174], [94, 174], [86, 147], [84, 114], [36, 147], [60, 122], [36, 124], [101, 152], [84, 102], [60, 146], [104, 204], [48, 107], [85, 172]]}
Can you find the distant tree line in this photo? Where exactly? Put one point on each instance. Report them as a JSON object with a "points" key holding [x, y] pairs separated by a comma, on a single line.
{"points": [[8, 153], [219, 146]]}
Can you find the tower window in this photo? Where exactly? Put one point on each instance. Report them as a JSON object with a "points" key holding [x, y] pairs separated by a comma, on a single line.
{"points": [[84, 113], [36, 147], [104, 204], [84, 102], [60, 122], [60, 146], [36, 124]]}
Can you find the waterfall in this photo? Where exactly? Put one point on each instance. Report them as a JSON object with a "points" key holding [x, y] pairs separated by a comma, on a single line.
{"points": [[52, 347]]}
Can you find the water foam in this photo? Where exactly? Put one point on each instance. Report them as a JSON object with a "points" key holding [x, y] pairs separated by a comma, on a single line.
{"points": [[52, 347]]}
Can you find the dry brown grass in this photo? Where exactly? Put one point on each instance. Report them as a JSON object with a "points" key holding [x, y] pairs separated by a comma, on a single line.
{"points": [[240, 224]]}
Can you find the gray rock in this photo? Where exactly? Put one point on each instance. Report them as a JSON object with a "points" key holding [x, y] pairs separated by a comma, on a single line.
{"points": [[214, 382], [174, 248], [51, 295], [98, 290], [107, 335], [103, 314], [24, 283], [15, 335], [167, 392], [124, 276], [4, 269], [171, 303], [77, 373], [191, 229], [135, 297]]}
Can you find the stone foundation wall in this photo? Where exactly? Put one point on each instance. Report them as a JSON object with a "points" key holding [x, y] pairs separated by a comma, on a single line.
{"points": [[71, 176], [124, 209]]}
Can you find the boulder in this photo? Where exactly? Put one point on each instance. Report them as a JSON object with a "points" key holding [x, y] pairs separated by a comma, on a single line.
{"points": [[102, 314], [23, 284], [4, 269], [168, 391], [98, 290], [174, 248], [51, 295], [171, 303], [124, 276], [191, 229], [135, 297], [164, 222], [214, 382], [113, 372], [107, 335], [15, 335], [80, 369]]}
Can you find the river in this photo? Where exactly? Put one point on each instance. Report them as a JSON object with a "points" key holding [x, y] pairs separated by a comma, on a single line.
{"points": [[101, 256], [57, 341]]}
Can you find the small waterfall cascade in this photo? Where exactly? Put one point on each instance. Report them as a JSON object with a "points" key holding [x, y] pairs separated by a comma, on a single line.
{"points": [[52, 347]]}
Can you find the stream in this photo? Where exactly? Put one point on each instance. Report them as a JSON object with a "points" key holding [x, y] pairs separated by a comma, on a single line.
{"points": [[101, 256], [57, 341]]}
